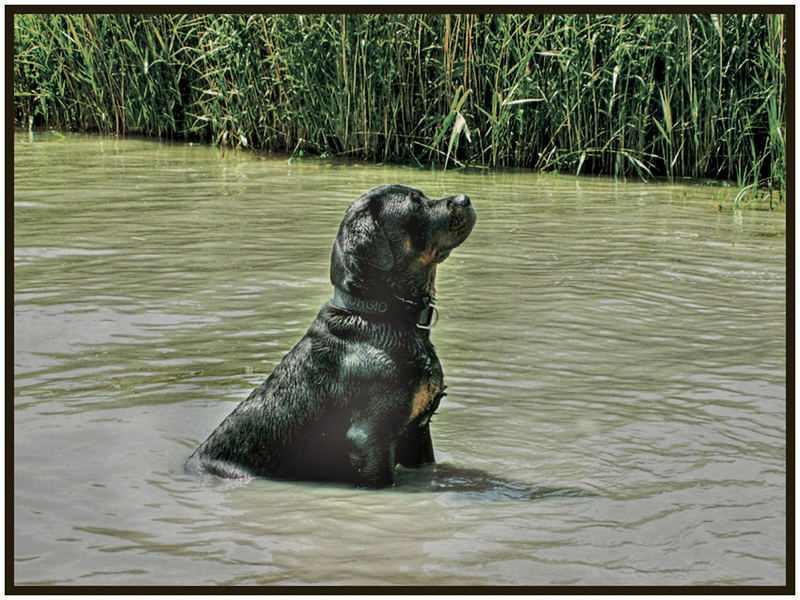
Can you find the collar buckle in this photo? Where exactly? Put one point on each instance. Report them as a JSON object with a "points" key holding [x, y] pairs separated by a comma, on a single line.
{"points": [[428, 317]]}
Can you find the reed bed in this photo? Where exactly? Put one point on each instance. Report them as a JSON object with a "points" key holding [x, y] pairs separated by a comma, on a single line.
{"points": [[695, 95]]}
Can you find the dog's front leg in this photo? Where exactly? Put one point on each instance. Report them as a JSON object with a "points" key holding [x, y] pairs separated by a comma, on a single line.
{"points": [[371, 455], [415, 448]]}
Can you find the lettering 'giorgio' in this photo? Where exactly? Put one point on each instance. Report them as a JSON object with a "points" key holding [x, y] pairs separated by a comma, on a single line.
{"points": [[370, 305]]}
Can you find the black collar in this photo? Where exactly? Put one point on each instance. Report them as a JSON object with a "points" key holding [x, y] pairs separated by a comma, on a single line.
{"points": [[423, 317]]}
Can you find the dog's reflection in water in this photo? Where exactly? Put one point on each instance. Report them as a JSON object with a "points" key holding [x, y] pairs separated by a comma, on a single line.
{"points": [[443, 477]]}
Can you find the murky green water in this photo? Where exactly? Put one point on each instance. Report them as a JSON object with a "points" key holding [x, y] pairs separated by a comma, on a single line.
{"points": [[615, 355]]}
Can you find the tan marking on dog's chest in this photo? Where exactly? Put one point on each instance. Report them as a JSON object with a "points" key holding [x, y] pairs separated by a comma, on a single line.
{"points": [[424, 395]]}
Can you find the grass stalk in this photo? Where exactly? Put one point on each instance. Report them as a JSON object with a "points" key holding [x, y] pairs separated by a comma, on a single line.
{"points": [[693, 95]]}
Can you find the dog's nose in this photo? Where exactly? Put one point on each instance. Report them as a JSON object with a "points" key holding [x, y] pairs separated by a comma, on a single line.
{"points": [[460, 200]]}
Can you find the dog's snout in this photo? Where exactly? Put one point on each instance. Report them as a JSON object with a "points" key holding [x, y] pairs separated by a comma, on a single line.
{"points": [[462, 200]]}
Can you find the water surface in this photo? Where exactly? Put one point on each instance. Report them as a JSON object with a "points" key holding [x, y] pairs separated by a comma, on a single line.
{"points": [[615, 356]]}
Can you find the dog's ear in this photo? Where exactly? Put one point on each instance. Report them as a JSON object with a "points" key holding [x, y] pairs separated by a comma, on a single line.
{"points": [[361, 238], [360, 245], [364, 240]]}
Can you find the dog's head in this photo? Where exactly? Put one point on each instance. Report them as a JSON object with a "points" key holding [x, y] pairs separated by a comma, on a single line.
{"points": [[392, 238]]}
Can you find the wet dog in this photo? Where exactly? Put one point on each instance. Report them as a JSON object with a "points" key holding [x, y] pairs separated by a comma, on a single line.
{"points": [[355, 396]]}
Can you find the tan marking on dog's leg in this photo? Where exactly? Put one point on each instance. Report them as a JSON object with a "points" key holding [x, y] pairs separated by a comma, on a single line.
{"points": [[423, 397]]}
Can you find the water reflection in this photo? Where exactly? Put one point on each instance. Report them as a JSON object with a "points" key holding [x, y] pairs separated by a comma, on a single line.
{"points": [[477, 484]]}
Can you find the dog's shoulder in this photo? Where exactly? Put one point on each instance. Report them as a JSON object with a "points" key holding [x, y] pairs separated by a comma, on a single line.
{"points": [[359, 349]]}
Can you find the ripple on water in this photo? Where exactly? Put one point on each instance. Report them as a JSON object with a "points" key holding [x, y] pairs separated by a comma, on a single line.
{"points": [[615, 356]]}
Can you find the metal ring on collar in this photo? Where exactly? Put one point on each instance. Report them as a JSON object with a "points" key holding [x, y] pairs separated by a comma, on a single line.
{"points": [[433, 321]]}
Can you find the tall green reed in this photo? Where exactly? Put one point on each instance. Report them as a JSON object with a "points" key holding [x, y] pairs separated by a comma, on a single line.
{"points": [[695, 95]]}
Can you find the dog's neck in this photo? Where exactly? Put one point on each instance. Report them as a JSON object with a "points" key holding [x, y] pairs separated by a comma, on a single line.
{"points": [[421, 312]]}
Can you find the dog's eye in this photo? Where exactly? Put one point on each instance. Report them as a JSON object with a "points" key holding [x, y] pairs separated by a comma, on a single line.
{"points": [[416, 202]]}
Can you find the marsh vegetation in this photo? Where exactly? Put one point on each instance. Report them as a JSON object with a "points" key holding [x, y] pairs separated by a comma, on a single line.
{"points": [[649, 95]]}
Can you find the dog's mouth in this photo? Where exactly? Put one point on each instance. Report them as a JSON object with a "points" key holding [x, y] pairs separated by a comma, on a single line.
{"points": [[462, 220]]}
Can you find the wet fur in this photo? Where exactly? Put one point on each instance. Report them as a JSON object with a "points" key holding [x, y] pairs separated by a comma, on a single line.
{"points": [[355, 396]]}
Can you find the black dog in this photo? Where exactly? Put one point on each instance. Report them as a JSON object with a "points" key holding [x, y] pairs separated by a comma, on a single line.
{"points": [[355, 396]]}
